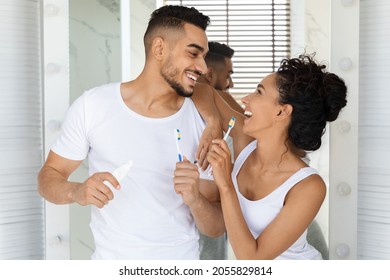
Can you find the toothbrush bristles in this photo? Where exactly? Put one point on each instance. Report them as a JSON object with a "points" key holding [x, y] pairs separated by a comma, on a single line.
{"points": [[232, 122], [177, 137]]}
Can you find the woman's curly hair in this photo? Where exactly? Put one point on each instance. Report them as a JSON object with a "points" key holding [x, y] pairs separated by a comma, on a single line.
{"points": [[316, 96]]}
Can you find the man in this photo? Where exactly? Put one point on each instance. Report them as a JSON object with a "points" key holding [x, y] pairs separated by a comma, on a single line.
{"points": [[157, 209], [219, 72]]}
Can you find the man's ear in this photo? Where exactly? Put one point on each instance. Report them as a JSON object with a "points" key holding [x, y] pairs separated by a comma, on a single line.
{"points": [[158, 45], [209, 75], [285, 111]]}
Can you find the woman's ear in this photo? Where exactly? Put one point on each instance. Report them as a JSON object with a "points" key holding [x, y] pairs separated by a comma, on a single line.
{"points": [[285, 111], [158, 48]]}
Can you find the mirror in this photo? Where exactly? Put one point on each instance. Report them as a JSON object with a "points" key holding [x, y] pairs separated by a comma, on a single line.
{"points": [[95, 59]]}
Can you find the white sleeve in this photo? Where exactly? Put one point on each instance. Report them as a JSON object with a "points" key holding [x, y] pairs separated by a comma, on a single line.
{"points": [[72, 142]]}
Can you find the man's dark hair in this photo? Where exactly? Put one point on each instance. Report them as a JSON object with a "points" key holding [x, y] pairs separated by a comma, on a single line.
{"points": [[217, 53], [173, 18]]}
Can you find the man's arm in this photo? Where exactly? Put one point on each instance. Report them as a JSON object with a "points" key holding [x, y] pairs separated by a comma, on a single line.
{"points": [[54, 186], [203, 99], [210, 99], [231, 101], [201, 196], [208, 215]]}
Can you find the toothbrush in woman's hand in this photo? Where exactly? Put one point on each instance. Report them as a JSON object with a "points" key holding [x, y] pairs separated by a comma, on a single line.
{"points": [[231, 124]]}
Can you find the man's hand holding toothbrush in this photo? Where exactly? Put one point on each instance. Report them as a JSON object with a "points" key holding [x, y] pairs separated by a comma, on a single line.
{"points": [[201, 196], [186, 181], [186, 175]]}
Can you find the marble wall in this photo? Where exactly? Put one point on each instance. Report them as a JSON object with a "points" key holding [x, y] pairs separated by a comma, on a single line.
{"points": [[94, 53], [95, 41], [95, 59], [94, 31], [140, 11]]}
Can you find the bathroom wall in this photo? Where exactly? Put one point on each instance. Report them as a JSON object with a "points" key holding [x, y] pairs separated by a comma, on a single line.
{"points": [[94, 47], [95, 59], [317, 39], [310, 22], [331, 30]]}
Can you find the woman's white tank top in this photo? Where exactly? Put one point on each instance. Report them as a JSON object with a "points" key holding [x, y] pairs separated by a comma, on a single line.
{"points": [[260, 213]]}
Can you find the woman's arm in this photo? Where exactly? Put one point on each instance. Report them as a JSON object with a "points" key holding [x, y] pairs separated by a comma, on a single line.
{"points": [[302, 204]]}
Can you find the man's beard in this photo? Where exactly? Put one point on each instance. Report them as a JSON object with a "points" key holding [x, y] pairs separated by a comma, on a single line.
{"points": [[168, 73]]}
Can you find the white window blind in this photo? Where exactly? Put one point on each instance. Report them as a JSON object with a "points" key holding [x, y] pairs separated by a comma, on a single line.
{"points": [[257, 30], [21, 208], [374, 131]]}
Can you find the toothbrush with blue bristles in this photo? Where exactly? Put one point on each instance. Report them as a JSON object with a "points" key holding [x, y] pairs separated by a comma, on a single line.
{"points": [[177, 138], [231, 124]]}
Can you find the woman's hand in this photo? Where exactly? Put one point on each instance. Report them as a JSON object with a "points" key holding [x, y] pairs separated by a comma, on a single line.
{"points": [[220, 159]]}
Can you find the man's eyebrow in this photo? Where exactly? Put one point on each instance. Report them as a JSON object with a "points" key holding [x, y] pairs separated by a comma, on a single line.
{"points": [[196, 46]]}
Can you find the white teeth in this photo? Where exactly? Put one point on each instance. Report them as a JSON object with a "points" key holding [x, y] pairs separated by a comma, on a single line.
{"points": [[191, 77], [248, 114]]}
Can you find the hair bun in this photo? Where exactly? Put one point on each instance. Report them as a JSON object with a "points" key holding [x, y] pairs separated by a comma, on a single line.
{"points": [[333, 93]]}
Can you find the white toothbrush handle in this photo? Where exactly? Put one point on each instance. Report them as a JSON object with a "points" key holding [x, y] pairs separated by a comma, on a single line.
{"points": [[224, 138], [227, 133]]}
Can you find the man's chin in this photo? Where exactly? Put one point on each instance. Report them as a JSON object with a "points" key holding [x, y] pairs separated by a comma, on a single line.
{"points": [[185, 93]]}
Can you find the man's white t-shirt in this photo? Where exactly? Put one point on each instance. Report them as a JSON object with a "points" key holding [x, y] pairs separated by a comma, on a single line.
{"points": [[146, 219]]}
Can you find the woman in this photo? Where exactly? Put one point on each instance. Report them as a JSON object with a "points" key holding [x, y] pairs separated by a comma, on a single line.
{"points": [[271, 195]]}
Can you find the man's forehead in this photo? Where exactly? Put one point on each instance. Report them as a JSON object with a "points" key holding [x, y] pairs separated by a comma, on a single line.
{"points": [[196, 37]]}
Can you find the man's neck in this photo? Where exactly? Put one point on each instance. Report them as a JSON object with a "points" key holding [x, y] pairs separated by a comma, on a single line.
{"points": [[154, 100]]}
